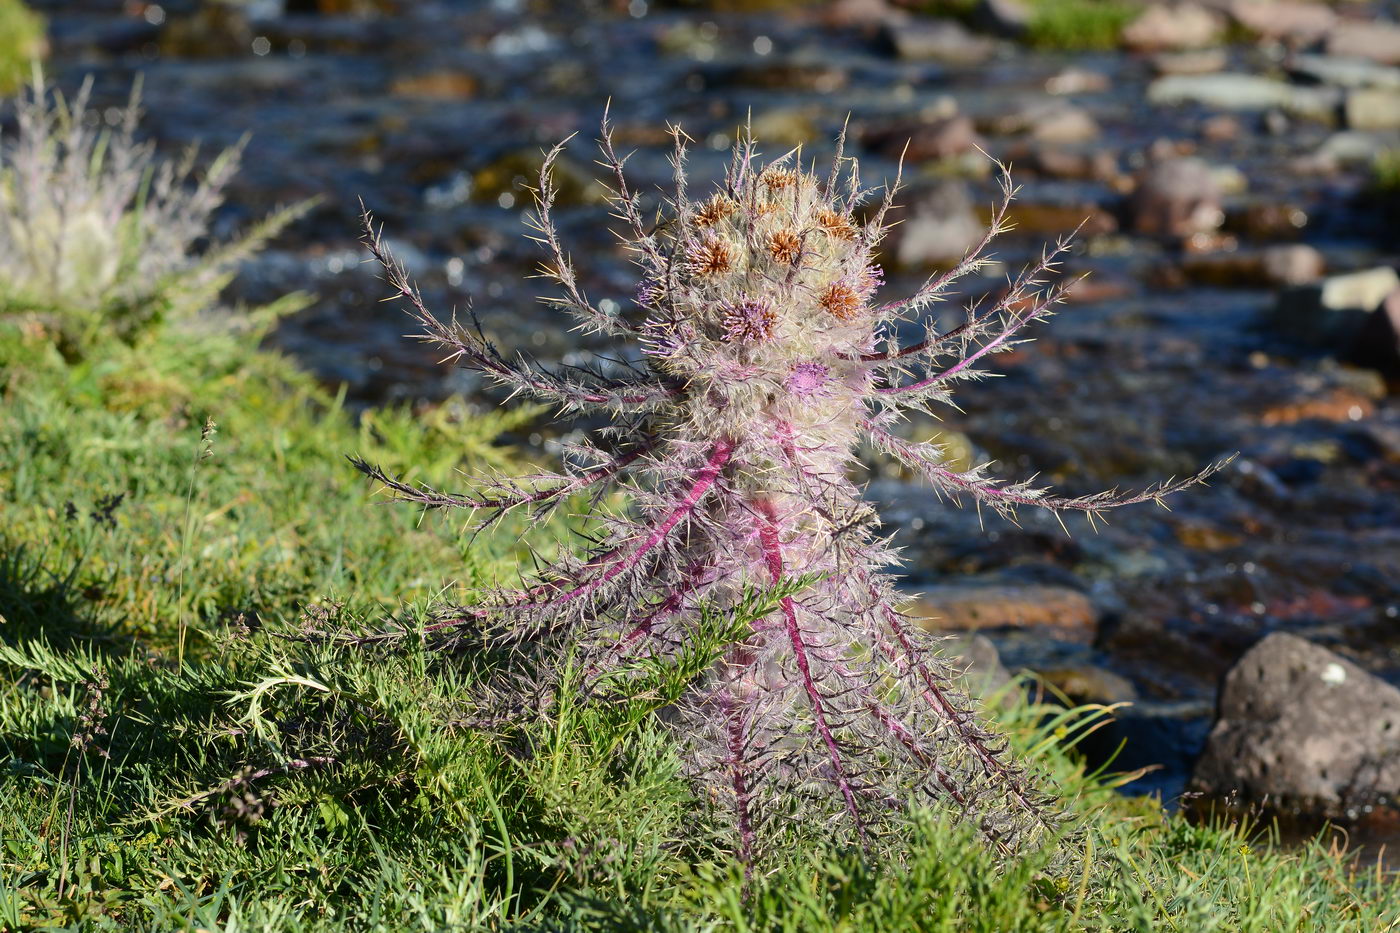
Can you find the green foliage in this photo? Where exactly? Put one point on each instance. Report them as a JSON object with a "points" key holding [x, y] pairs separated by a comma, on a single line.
{"points": [[266, 531], [1078, 24], [22, 42], [276, 781], [1385, 172]]}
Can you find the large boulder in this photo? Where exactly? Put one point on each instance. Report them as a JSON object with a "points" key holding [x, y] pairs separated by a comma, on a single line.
{"points": [[1305, 728]]}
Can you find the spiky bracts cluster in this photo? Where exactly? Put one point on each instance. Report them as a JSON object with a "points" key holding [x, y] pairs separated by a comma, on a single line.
{"points": [[765, 363]]}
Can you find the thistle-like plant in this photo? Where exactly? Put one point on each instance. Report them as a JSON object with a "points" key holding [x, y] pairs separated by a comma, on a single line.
{"points": [[99, 234], [766, 359]]}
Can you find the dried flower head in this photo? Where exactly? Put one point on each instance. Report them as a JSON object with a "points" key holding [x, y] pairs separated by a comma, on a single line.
{"points": [[784, 246], [716, 209], [836, 225], [841, 301], [736, 451], [778, 178], [712, 257]]}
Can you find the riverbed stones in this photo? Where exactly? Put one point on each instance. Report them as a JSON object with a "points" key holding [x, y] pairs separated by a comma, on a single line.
{"points": [[1345, 72], [974, 607], [1163, 27], [1377, 343], [1373, 108], [1376, 40], [1331, 312], [1177, 198], [937, 40], [1303, 727], [940, 224], [1285, 20], [1230, 90]]}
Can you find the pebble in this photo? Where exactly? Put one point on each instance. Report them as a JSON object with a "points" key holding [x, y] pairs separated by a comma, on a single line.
{"points": [[1179, 26], [1373, 108]]}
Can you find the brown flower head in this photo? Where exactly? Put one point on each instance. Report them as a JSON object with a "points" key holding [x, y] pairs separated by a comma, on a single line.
{"points": [[836, 225], [712, 256], [785, 246], [779, 178], [714, 210], [840, 301]]}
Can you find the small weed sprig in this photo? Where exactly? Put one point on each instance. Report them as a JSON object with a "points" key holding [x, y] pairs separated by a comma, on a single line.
{"points": [[98, 235], [766, 359]]}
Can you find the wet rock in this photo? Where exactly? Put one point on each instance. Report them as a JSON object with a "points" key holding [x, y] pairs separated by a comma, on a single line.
{"points": [[1350, 148], [1077, 81], [931, 141], [1374, 40], [1042, 219], [937, 40], [1285, 20], [1063, 124], [788, 76], [1201, 61], [863, 14], [1222, 127], [1234, 91], [436, 85], [1293, 264], [1177, 198], [1344, 72], [973, 607], [1266, 221], [1004, 17], [979, 660], [1373, 108], [1377, 343], [214, 31], [940, 224], [1080, 165], [1177, 26], [1331, 312], [1338, 404], [515, 173], [1288, 265], [785, 126], [1090, 684], [1304, 727]]}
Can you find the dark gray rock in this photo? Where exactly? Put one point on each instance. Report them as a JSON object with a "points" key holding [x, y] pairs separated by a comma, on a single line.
{"points": [[1331, 313], [937, 40], [1178, 198], [940, 224], [1004, 17], [1377, 344], [1305, 728], [980, 662]]}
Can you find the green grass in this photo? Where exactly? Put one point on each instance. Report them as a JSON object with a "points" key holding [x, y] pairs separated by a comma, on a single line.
{"points": [[1078, 24], [21, 43], [1385, 172], [276, 782]]}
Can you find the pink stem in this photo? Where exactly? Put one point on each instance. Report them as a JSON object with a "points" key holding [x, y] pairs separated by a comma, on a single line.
{"points": [[771, 544], [719, 456]]}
